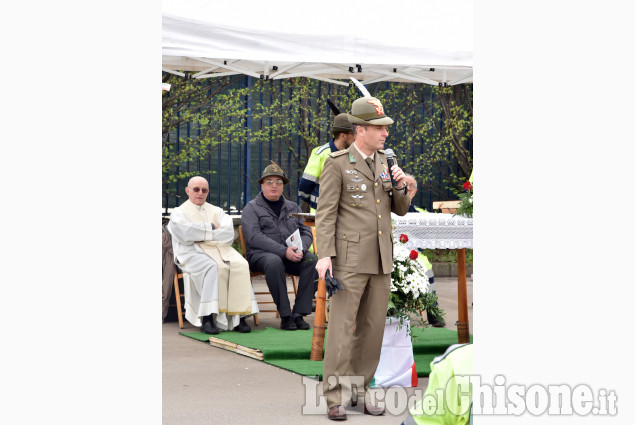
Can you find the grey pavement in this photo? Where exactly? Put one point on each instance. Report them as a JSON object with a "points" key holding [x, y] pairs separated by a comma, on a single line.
{"points": [[208, 385]]}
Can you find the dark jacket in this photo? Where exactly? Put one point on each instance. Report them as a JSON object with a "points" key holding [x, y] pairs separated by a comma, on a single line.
{"points": [[264, 232]]}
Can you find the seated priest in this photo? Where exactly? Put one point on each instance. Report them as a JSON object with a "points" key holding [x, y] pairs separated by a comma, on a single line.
{"points": [[219, 282], [268, 231]]}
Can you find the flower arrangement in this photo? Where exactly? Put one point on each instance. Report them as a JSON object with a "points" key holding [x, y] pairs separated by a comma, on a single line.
{"points": [[467, 206], [409, 286]]}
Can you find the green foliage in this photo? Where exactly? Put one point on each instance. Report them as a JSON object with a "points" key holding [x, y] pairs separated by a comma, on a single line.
{"points": [[201, 114], [466, 208], [400, 311], [432, 131], [197, 115], [410, 293], [447, 255]]}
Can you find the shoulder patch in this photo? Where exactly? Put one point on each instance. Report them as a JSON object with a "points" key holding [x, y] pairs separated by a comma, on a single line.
{"points": [[338, 153], [321, 149]]}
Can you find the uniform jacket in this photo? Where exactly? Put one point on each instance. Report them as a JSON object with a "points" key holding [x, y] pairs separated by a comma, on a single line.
{"points": [[353, 221], [309, 186], [266, 232]]}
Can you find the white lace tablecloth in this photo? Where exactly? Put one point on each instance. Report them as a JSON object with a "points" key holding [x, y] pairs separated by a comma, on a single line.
{"points": [[431, 230]]}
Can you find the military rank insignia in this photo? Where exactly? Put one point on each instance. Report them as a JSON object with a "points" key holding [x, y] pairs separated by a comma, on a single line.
{"points": [[385, 177], [357, 200]]}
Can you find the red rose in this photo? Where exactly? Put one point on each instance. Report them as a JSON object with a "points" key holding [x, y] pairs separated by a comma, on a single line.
{"points": [[467, 186], [403, 238], [413, 254]]}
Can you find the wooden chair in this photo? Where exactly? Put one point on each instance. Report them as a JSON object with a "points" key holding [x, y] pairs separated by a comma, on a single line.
{"points": [[243, 246]]}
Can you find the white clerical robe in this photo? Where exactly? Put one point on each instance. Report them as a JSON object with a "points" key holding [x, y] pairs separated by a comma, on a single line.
{"points": [[219, 279]]}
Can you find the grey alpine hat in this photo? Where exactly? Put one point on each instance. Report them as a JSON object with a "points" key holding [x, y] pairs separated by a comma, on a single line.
{"points": [[341, 123], [368, 110], [273, 170]]}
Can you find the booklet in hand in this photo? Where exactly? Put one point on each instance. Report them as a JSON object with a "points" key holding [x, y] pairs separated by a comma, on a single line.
{"points": [[295, 240]]}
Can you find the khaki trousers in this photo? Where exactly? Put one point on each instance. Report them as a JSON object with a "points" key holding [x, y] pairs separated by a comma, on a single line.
{"points": [[357, 316]]}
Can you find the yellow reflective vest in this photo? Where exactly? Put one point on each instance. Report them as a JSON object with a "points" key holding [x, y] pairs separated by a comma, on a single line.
{"points": [[309, 186], [449, 387]]}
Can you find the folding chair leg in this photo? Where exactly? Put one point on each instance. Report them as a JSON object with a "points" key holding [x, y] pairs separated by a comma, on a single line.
{"points": [[256, 319]]}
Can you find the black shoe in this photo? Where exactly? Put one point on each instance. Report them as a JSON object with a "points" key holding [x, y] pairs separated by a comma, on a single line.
{"points": [[209, 327], [288, 324], [301, 324], [242, 326], [436, 322]]}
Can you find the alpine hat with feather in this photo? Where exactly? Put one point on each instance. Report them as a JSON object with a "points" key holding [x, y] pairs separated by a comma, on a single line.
{"points": [[273, 169], [341, 123], [368, 110]]}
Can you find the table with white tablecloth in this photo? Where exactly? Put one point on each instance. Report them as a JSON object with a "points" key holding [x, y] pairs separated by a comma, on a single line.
{"points": [[441, 231]]}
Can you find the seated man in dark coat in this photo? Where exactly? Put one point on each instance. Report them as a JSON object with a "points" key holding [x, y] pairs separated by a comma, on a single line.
{"points": [[266, 226]]}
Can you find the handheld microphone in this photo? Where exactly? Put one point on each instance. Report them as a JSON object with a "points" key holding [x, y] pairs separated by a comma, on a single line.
{"points": [[390, 155]]}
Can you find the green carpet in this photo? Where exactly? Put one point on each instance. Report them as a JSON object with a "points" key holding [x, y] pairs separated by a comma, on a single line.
{"points": [[292, 350]]}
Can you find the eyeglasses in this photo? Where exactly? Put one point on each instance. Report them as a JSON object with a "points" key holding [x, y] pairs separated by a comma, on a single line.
{"points": [[272, 182], [196, 189]]}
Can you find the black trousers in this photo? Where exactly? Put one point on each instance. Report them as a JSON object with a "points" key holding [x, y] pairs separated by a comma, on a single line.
{"points": [[276, 269]]}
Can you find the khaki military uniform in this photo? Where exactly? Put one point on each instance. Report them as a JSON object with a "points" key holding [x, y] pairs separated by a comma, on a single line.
{"points": [[354, 227]]}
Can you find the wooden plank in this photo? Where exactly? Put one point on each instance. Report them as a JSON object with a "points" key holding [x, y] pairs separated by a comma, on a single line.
{"points": [[447, 207], [254, 353], [463, 324], [446, 204]]}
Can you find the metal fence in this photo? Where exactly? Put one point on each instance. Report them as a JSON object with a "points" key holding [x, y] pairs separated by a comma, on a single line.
{"points": [[234, 164]]}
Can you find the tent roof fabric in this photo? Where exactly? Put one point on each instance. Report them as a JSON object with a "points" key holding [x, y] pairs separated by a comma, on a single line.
{"points": [[428, 41]]}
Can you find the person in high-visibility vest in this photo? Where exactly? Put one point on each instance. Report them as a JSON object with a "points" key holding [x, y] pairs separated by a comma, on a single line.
{"points": [[309, 186], [450, 389], [437, 322]]}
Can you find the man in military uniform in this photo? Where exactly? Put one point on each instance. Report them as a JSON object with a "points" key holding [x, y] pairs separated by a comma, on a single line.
{"points": [[355, 244]]}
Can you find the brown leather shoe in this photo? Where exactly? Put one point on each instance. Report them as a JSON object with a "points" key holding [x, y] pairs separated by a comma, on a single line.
{"points": [[369, 409], [337, 413]]}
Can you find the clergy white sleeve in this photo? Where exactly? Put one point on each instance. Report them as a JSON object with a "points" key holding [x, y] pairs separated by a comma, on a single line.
{"points": [[186, 232], [224, 235]]}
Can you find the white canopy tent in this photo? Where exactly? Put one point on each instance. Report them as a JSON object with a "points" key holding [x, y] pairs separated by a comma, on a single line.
{"points": [[423, 41]]}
